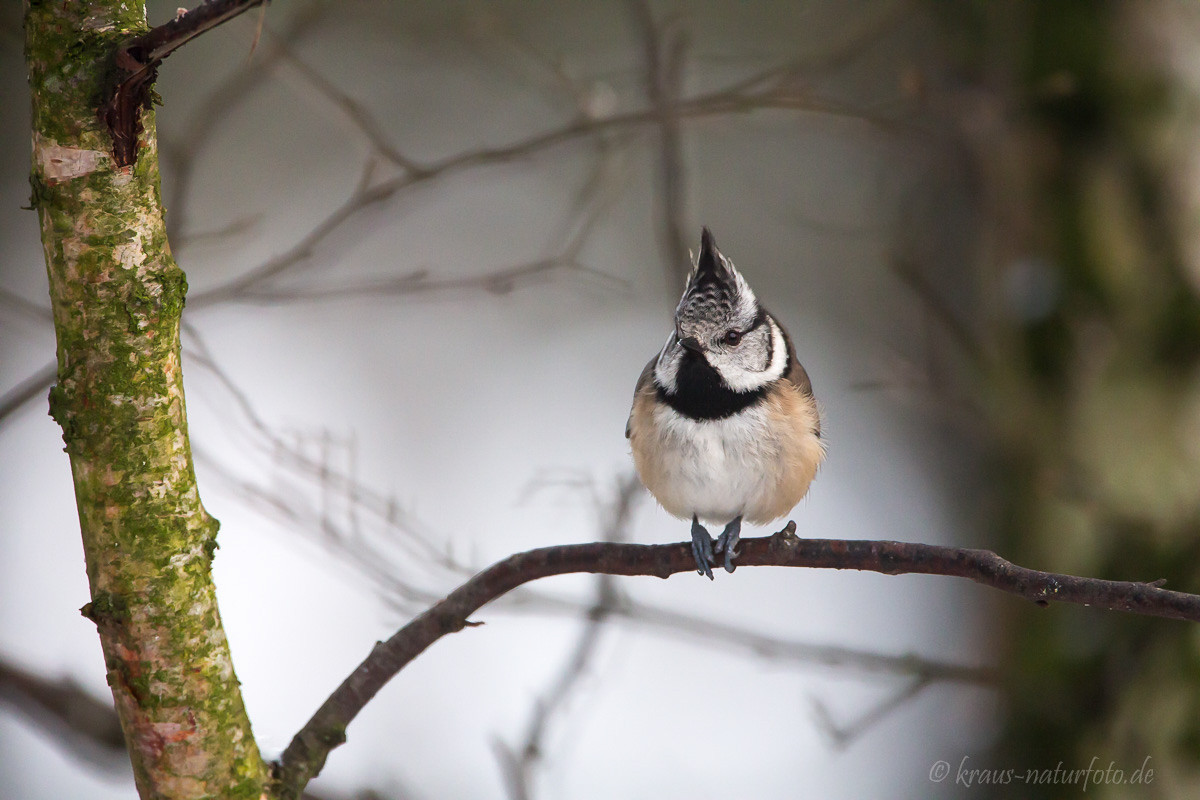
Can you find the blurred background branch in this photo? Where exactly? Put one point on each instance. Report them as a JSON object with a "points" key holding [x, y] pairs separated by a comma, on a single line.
{"points": [[428, 247]]}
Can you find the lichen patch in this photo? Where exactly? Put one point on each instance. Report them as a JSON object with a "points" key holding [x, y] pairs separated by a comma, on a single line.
{"points": [[130, 255]]}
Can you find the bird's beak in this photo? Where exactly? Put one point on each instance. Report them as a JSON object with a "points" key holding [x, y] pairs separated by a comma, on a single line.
{"points": [[691, 343]]}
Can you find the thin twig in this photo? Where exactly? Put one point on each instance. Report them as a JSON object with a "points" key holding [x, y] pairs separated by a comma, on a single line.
{"points": [[86, 726], [664, 53], [347, 106], [181, 156], [306, 754], [717, 103], [841, 735], [909, 271], [821, 655], [138, 61], [380, 564]]}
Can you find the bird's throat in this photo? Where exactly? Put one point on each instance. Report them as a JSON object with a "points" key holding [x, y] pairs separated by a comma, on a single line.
{"points": [[701, 394]]}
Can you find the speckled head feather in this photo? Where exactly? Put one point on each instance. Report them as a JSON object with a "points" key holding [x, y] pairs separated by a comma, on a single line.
{"points": [[716, 292], [725, 349]]}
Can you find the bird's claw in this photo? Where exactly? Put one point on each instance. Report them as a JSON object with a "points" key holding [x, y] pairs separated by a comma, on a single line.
{"points": [[702, 549], [727, 543]]}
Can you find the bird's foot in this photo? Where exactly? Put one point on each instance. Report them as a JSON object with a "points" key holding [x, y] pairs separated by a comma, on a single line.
{"points": [[702, 548], [727, 542]]}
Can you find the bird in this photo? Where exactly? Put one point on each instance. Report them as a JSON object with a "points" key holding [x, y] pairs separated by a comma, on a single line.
{"points": [[724, 425]]}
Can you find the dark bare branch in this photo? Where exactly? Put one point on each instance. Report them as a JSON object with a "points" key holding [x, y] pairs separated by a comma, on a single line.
{"points": [[378, 559], [225, 232], [159, 42], [138, 60], [306, 754]]}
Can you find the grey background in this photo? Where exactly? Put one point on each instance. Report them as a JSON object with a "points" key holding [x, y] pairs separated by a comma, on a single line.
{"points": [[491, 416]]}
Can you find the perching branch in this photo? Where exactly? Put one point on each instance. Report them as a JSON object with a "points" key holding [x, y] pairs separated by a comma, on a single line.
{"points": [[520, 762], [305, 756], [138, 61], [158, 43]]}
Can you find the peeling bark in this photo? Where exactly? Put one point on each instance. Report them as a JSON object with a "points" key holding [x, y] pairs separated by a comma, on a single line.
{"points": [[117, 296]]}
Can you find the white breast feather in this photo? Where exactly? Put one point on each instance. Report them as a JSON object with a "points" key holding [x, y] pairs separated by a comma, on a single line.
{"points": [[717, 469]]}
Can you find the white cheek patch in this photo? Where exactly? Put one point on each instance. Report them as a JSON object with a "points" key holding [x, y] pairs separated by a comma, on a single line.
{"points": [[779, 353], [740, 379], [666, 369]]}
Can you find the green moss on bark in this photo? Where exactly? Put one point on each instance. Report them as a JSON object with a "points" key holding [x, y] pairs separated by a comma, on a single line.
{"points": [[117, 296]]}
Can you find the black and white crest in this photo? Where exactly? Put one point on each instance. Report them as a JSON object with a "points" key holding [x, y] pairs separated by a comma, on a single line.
{"points": [[716, 292], [725, 349]]}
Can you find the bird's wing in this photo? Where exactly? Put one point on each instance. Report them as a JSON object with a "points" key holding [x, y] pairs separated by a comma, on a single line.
{"points": [[642, 382], [797, 375]]}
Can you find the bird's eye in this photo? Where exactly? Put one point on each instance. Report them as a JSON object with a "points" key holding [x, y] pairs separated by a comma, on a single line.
{"points": [[733, 337]]}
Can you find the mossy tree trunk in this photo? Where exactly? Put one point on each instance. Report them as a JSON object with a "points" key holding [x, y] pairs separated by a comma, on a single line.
{"points": [[117, 296], [1087, 140]]}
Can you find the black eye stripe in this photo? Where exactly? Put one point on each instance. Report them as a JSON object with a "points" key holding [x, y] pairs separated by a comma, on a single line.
{"points": [[770, 344]]}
